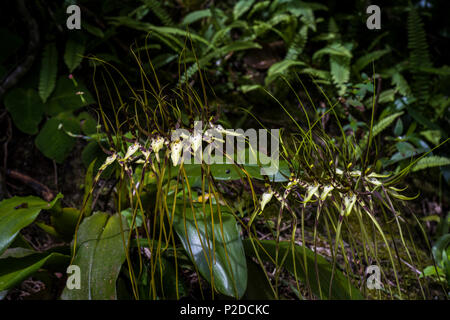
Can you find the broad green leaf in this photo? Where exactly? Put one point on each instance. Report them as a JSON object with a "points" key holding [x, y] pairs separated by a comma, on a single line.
{"points": [[17, 213], [10, 43], [67, 97], [49, 68], [318, 282], [87, 123], [363, 61], [431, 161], [219, 256], [258, 285], [88, 189], [54, 141], [17, 267], [250, 87], [100, 254], [74, 53], [26, 109]]}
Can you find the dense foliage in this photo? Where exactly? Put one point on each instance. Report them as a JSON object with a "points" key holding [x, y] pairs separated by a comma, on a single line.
{"points": [[364, 167]]}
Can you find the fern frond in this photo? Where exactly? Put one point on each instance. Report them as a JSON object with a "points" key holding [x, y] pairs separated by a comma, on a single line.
{"points": [[419, 56], [159, 11], [363, 61]]}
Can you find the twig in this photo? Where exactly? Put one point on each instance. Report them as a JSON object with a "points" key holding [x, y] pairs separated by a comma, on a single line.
{"points": [[38, 187]]}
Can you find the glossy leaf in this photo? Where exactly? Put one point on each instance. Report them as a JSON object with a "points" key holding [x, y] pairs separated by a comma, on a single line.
{"points": [[221, 261], [319, 283], [49, 68], [100, 254], [17, 213]]}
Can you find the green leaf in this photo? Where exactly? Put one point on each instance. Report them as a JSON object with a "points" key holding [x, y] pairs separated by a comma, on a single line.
{"points": [[398, 129], [49, 68], [65, 221], [431, 161], [10, 43], [26, 109], [401, 85], [258, 287], [387, 96], [384, 123], [53, 140], [434, 136], [195, 16], [319, 283], [67, 98], [250, 87], [239, 46], [74, 53], [91, 152], [335, 49], [88, 189], [93, 30], [340, 71], [221, 262], [241, 7], [100, 254], [17, 213], [21, 265]]}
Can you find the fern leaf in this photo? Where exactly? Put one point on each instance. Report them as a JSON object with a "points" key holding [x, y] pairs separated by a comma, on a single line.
{"points": [[195, 16], [335, 49], [73, 54], [298, 44], [362, 62], [376, 130], [258, 6], [49, 69], [280, 68], [400, 84], [419, 56], [432, 161]]}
